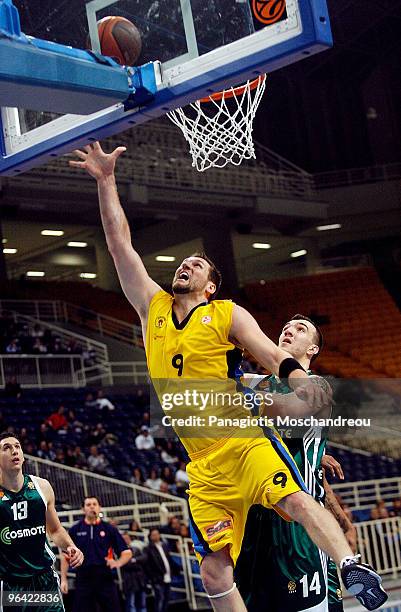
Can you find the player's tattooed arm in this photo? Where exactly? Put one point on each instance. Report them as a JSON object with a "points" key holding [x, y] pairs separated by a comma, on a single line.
{"points": [[56, 531], [334, 507], [292, 405]]}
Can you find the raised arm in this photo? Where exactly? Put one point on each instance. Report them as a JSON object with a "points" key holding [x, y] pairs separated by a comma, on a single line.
{"points": [[245, 332], [137, 285]]}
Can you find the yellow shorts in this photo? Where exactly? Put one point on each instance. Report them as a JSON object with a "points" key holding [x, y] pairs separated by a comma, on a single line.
{"points": [[228, 481]]}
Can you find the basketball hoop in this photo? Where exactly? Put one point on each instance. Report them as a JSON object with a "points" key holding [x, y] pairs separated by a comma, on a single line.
{"points": [[219, 127]]}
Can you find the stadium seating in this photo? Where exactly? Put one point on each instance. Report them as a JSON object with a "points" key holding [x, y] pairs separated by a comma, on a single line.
{"points": [[81, 293], [358, 467], [123, 423], [363, 324]]}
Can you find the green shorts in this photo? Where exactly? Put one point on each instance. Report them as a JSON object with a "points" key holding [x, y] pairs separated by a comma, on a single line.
{"points": [[279, 567], [41, 592]]}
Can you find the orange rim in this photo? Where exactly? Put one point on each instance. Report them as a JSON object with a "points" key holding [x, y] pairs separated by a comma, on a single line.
{"points": [[234, 91]]}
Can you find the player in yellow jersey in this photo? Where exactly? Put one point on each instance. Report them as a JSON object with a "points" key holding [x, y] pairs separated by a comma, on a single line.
{"points": [[192, 338]]}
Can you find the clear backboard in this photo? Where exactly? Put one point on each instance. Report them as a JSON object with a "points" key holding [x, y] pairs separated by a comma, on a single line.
{"points": [[195, 47]]}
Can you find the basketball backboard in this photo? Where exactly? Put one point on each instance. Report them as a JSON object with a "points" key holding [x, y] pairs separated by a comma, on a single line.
{"points": [[195, 47]]}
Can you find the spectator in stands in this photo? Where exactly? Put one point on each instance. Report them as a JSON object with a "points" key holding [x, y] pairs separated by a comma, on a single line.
{"points": [[89, 357], [29, 449], [168, 454], [79, 457], [60, 456], [379, 511], [396, 511], [154, 481], [13, 347], [168, 475], [37, 332], [137, 476], [23, 435], [103, 403], [146, 422], [100, 542], [38, 347], [51, 451], [12, 389], [159, 568], [134, 578], [164, 488], [185, 534], [57, 420], [173, 527], [168, 479], [134, 527], [144, 441], [97, 461], [181, 479], [96, 434], [43, 451], [70, 458], [90, 401], [57, 348], [44, 434]]}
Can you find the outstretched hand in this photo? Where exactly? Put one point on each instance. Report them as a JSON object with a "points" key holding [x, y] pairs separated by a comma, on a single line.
{"points": [[96, 162], [331, 465]]}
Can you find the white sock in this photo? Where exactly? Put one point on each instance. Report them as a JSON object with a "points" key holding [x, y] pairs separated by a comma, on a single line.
{"points": [[349, 560]]}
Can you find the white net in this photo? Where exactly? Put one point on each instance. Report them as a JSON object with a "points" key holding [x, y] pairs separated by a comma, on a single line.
{"points": [[219, 128]]}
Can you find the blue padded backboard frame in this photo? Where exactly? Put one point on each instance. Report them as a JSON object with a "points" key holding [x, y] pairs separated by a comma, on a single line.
{"points": [[181, 85]]}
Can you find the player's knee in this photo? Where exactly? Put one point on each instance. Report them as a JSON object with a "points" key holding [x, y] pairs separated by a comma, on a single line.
{"points": [[216, 573], [214, 584]]}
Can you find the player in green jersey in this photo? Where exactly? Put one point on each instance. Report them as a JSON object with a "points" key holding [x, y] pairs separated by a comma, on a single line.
{"points": [[27, 513], [279, 566]]}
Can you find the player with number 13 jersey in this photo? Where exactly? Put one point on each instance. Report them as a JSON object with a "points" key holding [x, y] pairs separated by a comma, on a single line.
{"points": [[27, 514]]}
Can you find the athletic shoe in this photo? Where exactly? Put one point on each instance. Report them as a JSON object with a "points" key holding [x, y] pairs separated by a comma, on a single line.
{"points": [[364, 583]]}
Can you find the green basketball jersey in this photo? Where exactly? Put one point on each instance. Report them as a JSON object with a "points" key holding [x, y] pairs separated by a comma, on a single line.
{"points": [[24, 551]]}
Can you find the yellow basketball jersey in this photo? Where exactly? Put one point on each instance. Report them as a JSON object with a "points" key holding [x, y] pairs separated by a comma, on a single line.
{"points": [[197, 348], [195, 355]]}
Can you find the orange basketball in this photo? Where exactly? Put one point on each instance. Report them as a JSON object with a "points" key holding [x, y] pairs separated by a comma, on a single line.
{"points": [[119, 39]]}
